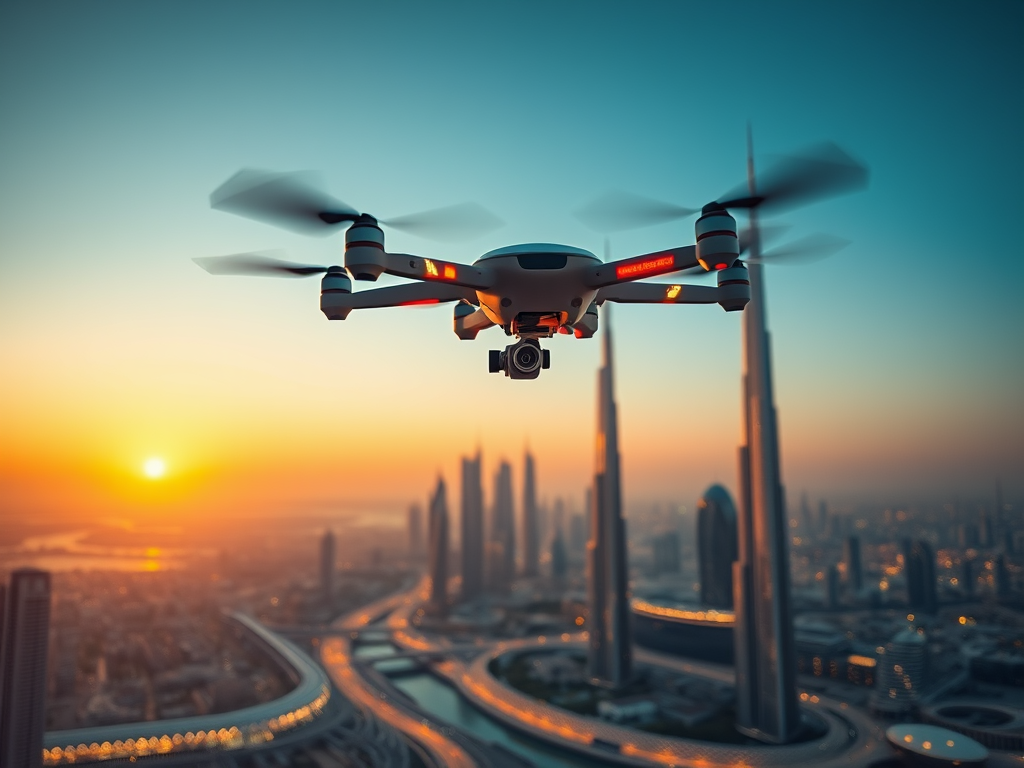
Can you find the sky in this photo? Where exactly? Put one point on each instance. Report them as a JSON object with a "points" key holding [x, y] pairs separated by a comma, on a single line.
{"points": [[899, 362]]}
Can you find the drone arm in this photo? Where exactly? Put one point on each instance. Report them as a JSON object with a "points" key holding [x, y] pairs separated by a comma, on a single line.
{"points": [[338, 305], [659, 293], [647, 265], [433, 270]]}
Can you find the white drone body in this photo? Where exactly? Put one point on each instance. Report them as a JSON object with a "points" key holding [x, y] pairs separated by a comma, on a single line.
{"points": [[535, 290]]}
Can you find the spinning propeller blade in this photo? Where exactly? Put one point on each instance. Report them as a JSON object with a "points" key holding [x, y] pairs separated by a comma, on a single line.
{"points": [[617, 210], [803, 251], [292, 201], [260, 263], [297, 202], [815, 173]]}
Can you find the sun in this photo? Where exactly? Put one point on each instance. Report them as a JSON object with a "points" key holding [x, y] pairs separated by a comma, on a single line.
{"points": [[154, 468]]}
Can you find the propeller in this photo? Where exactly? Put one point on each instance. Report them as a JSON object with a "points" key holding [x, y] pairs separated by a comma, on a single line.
{"points": [[258, 263], [806, 250], [618, 210], [814, 173], [296, 202]]}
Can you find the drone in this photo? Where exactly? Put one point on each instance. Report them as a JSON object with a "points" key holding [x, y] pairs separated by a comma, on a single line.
{"points": [[533, 290]]}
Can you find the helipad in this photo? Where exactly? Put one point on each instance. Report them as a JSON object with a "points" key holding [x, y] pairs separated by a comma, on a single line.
{"points": [[932, 745]]}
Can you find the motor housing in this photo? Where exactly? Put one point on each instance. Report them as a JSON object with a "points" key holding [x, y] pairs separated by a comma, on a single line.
{"points": [[734, 287], [364, 249], [718, 245]]}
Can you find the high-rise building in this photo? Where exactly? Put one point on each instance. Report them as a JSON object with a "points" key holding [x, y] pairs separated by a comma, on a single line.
{"points": [[900, 673], [610, 657], [415, 531], [327, 565], [559, 559], [766, 695], [666, 552], [968, 576], [577, 535], [531, 522], [1002, 577], [922, 585], [503, 532], [854, 571], [25, 635], [716, 546], [438, 552], [472, 528]]}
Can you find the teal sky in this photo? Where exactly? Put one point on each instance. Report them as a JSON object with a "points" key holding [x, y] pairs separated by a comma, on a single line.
{"points": [[899, 362]]}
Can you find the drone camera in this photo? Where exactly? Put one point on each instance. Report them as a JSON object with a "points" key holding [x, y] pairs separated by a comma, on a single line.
{"points": [[522, 360]]}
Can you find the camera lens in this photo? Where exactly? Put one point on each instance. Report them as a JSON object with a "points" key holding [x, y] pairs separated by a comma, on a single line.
{"points": [[526, 358]]}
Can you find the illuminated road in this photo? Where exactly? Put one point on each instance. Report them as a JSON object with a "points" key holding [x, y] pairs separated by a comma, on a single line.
{"points": [[336, 656]]}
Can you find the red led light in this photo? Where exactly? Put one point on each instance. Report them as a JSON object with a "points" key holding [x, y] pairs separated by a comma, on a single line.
{"points": [[659, 264], [721, 266], [419, 302]]}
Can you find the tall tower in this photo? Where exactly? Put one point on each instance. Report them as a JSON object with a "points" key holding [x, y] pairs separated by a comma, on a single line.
{"points": [[531, 524], [610, 658], [503, 532], [438, 533], [327, 565], [716, 547], [472, 528], [765, 661], [26, 626]]}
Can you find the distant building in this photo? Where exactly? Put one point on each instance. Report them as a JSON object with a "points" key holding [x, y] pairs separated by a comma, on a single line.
{"points": [[472, 528], [577, 534], [415, 531], [559, 559], [968, 576], [610, 652], [1002, 577], [666, 553], [438, 553], [716, 546], [503, 533], [327, 559], [854, 570], [531, 522], [832, 587], [25, 636], [900, 674], [922, 585]]}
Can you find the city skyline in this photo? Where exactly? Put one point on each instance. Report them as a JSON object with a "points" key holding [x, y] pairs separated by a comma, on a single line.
{"points": [[898, 364]]}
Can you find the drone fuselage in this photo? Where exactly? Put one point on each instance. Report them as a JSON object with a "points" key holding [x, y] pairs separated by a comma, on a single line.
{"points": [[537, 287]]}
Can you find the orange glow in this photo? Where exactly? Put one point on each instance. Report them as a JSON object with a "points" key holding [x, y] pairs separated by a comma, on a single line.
{"points": [[431, 268], [449, 271], [718, 617], [647, 267], [419, 302], [673, 291]]}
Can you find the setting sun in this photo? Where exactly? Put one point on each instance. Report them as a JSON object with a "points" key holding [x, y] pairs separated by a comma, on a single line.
{"points": [[154, 468]]}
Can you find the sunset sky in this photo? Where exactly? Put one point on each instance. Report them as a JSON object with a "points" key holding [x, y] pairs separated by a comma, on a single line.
{"points": [[899, 362]]}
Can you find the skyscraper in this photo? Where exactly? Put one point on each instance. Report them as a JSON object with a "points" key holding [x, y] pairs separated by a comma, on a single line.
{"points": [[531, 523], [327, 565], [854, 571], [26, 626], [765, 655], [415, 531], [900, 673], [503, 532], [922, 586], [832, 587], [438, 554], [472, 528], [716, 546], [610, 657]]}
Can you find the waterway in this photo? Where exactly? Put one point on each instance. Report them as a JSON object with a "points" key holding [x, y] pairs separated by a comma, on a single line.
{"points": [[68, 552], [446, 704]]}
